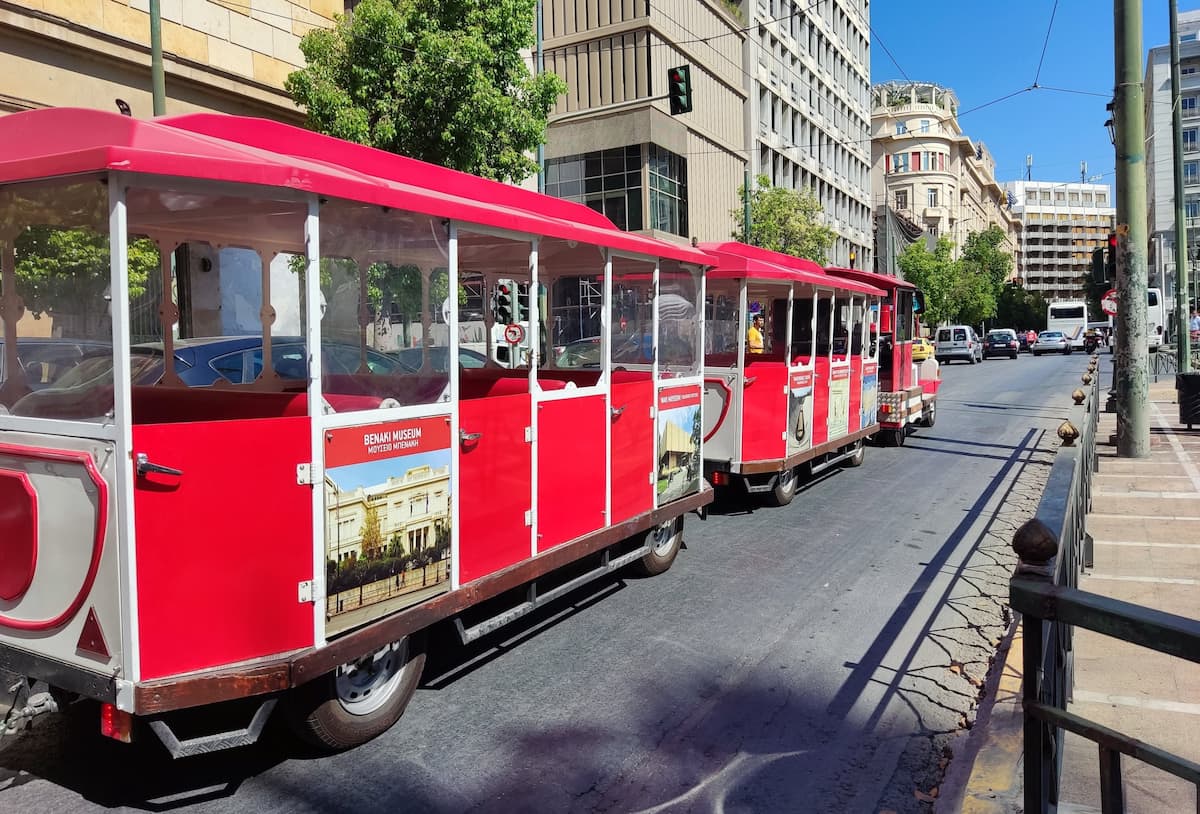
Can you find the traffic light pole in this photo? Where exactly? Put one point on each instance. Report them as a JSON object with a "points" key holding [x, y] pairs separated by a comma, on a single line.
{"points": [[1183, 350], [1132, 345]]}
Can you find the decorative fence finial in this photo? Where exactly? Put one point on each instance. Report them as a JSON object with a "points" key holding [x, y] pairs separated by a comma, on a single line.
{"points": [[1068, 433], [1078, 395]]}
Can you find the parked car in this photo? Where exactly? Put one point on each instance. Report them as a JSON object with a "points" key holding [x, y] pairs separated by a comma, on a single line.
{"points": [[411, 360], [958, 342], [1002, 342], [1051, 342], [922, 349], [45, 360]]}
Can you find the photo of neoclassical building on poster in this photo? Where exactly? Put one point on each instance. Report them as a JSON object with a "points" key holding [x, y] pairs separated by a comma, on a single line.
{"points": [[387, 536]]}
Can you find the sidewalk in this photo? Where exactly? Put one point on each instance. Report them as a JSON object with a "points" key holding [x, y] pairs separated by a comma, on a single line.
{"points": [[1145, 523]]}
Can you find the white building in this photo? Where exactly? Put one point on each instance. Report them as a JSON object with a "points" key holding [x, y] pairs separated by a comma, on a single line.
{"points": [[810, 117], [1160, 152], [1061, 223]]}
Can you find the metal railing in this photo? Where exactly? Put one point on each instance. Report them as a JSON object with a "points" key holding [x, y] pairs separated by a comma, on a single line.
{"points": [[1052, 548]]}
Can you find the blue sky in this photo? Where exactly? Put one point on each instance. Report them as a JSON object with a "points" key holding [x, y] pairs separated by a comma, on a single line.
{"points": [[373, 473], [984, 51]]}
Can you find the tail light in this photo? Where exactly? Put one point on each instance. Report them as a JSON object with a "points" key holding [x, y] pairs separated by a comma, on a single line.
{"points": [[886, 409], [720, 479], [115, 723]]}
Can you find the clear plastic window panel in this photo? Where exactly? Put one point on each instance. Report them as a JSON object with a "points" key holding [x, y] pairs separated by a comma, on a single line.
{"points": [[56, 355]]}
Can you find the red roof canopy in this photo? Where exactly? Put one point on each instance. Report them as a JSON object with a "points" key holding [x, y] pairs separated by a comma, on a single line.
{"points": [[66, 141], [737, 260], [885, 281]]}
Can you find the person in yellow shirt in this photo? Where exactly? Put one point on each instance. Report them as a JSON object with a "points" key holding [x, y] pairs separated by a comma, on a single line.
{"points": [[754, 336]]}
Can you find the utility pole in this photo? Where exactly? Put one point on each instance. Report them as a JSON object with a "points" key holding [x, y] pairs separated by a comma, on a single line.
{"points": [[541, 69], [157, 81], [1132, 348], [1183, 350], [746, 207], [1083, 172]]}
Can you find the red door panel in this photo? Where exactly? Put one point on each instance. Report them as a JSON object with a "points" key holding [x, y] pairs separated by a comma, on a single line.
{"points": [[856, 370], [494, 485], [632, 449], [764, 410], [571, 457], [820, 426], [222, 548]]}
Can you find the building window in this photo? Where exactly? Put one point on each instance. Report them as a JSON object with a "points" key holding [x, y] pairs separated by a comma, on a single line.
{"points": [[901, 128], [608, 181], [1186, 69], [924, 125], [1189, 140], [932, 194], [1191, 172], [1191, 206], [1101, 198], [901, 162], [902, 199], [1188, 103], [668, 191], [1190, 37]]}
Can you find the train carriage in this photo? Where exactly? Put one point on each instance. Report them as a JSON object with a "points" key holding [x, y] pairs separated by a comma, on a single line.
{"points": [[802, 392], [326, 401], [907, 389]]}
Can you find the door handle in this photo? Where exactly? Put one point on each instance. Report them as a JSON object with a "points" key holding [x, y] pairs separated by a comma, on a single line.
{"points": [[145, 467], [469, 437], [617, 411], [749, 381]]}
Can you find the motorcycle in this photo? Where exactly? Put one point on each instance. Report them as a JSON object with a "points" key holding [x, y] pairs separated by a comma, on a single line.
{"points": [[1090, 343]]}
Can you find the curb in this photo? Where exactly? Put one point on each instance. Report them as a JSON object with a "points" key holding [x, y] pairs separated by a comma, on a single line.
{"points": [[987, 779]]}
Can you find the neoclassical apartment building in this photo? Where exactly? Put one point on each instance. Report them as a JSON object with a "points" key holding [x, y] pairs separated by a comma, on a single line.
{"points": [[1061, 223], [926, 170]]}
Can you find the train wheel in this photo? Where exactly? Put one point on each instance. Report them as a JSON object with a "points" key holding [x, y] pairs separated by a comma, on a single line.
{"points": [[929, 417], [894, 438], [860, 455], [785, 488], [360, 699], [665, 541]]}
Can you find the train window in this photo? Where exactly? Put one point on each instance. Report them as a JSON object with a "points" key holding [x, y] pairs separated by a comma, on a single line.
{"points": [[678, 326], [721, 334]]}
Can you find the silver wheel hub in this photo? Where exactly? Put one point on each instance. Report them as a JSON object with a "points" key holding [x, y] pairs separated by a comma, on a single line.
{"points": [[364, 686], [786, 479], [663, 539]]}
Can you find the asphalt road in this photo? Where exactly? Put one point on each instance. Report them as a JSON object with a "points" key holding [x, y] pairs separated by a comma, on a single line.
{"points": [[827, 656]]}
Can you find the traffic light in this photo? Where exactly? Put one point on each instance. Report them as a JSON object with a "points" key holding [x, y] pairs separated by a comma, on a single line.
{"points": [[1110, 260], [853, 258], [502, 302], [521, 303], [679, 89], [1099, 267]]}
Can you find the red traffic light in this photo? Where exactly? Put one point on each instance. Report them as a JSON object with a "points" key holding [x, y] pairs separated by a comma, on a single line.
{"points": [[1112, 240]]}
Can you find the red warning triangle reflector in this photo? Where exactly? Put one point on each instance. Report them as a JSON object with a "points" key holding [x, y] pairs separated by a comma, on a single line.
{"points": [[91, 640]]}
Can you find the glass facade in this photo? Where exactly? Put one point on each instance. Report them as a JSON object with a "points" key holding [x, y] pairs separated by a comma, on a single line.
{"points": [[610, 182]]}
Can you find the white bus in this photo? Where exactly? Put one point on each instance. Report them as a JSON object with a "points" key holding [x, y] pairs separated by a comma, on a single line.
{"points": [[1070, 317], [1156, 321]]}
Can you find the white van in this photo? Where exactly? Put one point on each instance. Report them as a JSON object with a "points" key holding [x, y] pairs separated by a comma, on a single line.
{"points": [[958, 342]]}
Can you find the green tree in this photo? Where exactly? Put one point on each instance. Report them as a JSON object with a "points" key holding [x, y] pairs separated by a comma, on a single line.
{"points": [[443, 82], [1021, 309], [67, 272], [371, 533], [784, 220], [934, 273]]}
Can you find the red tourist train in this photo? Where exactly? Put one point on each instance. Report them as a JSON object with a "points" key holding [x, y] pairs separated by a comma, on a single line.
{"points": [[272, 404]]}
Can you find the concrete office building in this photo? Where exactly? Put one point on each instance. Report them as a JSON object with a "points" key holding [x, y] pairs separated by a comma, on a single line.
{"points": [[1061, 223], [612, 143], [927, 171], [1160, 154], [809, 120]]}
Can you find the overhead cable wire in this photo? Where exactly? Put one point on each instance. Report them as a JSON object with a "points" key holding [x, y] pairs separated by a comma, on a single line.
{"points": [[1045, 43]]}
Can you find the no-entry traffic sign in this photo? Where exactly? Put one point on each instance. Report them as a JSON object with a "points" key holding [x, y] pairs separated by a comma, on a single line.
{"points": [[514, 333], [1108, 303]]}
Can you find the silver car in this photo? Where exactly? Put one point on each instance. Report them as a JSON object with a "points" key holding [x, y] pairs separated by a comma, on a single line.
{"points": [[1051, 342]]}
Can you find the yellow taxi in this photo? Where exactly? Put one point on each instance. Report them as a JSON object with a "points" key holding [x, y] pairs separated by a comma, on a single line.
{"points": [[922, 349]]}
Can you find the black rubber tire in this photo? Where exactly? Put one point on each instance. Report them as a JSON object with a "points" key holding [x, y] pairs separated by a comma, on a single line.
{"points": [[785, 488], [320, 719], [929, 415], [894, 438], [1014, 356], [1037, 353], [860, 455], [660, 557]]}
